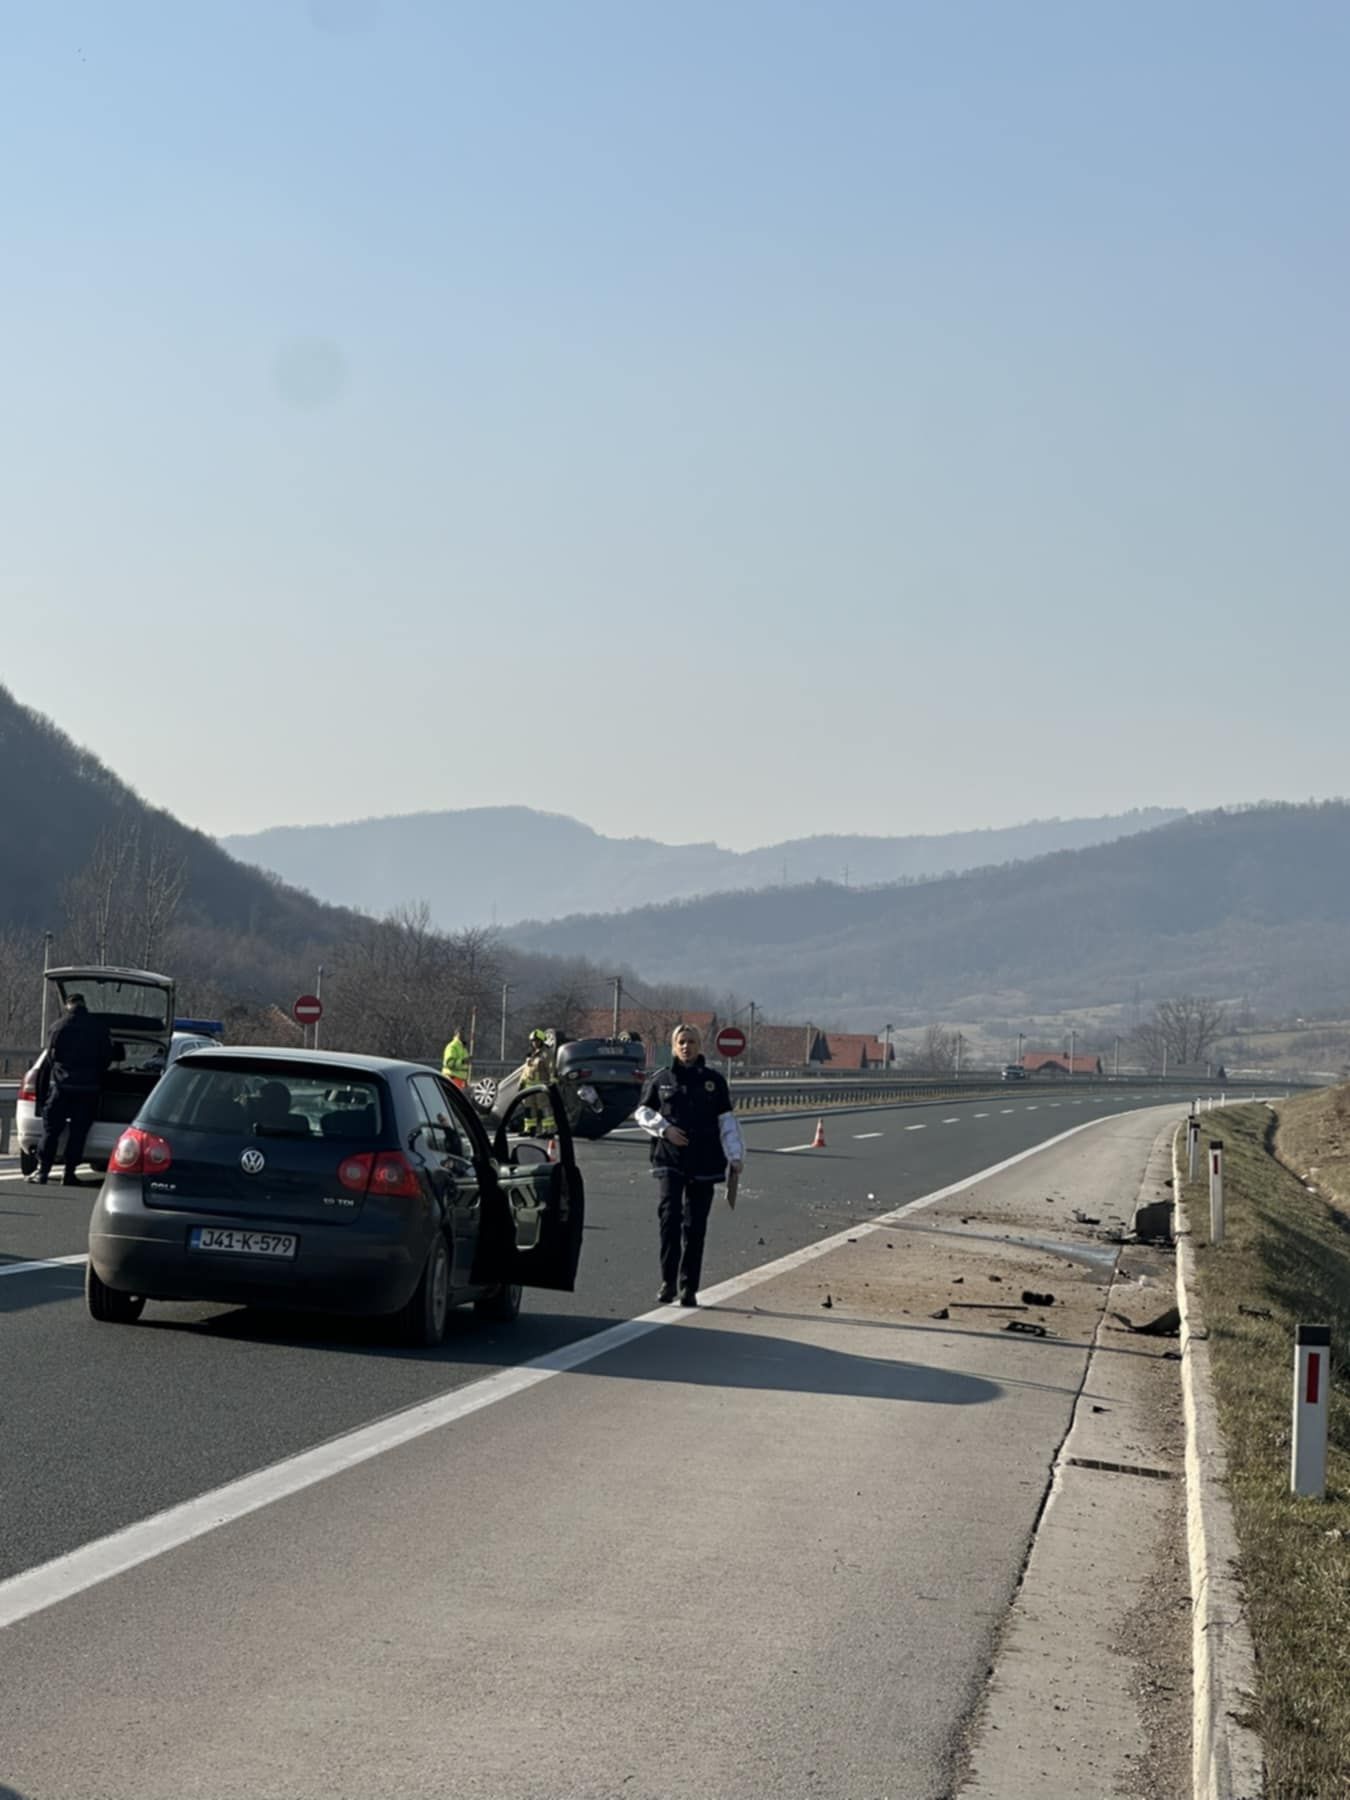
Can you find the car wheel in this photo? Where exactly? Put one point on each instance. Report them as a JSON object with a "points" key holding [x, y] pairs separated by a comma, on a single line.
{"points": [[503, 1303], [28, 1161], [107, 1305], [484, 1093], [421, 1322]]}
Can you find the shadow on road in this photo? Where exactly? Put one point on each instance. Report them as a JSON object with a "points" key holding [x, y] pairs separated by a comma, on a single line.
{"points": [[39, 1287], [704, 1356], [707, 1357]]}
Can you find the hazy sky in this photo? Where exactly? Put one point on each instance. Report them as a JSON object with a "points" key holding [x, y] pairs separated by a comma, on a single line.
{"points": [[712, 418]]}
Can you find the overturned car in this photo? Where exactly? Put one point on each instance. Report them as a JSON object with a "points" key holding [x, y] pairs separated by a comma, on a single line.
{"points": [[599, 1081]]}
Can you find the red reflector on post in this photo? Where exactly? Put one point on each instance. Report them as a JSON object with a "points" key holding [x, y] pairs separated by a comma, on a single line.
{"points": [[1314, 1377]]}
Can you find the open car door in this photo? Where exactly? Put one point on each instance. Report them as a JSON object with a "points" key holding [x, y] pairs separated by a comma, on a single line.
{"points": [[534, 1209]]}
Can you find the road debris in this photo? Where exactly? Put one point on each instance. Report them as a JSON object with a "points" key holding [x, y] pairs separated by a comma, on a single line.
{"points": [[1167, 1324]]}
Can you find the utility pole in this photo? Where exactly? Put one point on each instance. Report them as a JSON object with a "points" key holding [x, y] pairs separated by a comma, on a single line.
{"points": [[46, 964], [959, 1042], [1073, 1040], [618, 1001], [318, 995], [750, 1040], [506, 991]]}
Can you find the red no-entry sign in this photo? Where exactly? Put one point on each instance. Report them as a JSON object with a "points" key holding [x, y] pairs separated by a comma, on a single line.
{"points": [[730, 1041], [308, 1010]]}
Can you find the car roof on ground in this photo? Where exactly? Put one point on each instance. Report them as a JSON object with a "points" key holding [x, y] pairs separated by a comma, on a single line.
{"points": [[340, 1062]]}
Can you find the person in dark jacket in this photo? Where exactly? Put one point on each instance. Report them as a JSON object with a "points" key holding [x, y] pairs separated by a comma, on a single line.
{"points": [[78, 1054], [686, 1111]]}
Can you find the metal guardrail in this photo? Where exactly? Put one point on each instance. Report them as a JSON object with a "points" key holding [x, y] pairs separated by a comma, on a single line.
{"points": [[759, 1093]]}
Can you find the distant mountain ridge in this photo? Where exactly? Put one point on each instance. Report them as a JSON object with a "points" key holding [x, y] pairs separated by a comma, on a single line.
{"points": [[509, 864], [1252, 901]]}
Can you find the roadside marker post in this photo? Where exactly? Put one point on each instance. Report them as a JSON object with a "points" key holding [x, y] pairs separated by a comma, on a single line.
{"points": [[1215, 1191], [1312, 1383], [1192, 1147]]}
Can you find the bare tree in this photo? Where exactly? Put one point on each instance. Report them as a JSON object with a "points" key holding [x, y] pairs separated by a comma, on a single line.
{"points": [[20, 988], [934, 1054], [160, 881], [1179, 1032], [95, 901]]}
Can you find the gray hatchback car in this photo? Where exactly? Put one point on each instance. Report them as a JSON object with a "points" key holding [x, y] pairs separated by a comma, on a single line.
{"points": [[326, 1181]]}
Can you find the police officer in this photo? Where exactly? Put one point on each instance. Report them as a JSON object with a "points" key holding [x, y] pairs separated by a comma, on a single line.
{"points": [[79, 1052], [686, 1111]]}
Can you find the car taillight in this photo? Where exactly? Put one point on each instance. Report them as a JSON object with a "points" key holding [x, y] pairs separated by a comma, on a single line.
{"points": [[25, 1091], [140, 1153], [354, 1171], [394, 1177], [384, 1172]]}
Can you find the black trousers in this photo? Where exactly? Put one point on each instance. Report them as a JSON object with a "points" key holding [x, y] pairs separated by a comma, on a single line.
{"points": [[73, 1114], [683, 1213]]}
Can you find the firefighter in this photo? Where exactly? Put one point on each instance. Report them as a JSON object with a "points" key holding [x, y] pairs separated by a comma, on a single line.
{"points": [[455, 1066], [538, 1071]]}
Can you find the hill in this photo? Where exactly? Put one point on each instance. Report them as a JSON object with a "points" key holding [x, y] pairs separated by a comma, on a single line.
{"points": [[115, 880], [1252, 902], [483, 864], [60, 800]]}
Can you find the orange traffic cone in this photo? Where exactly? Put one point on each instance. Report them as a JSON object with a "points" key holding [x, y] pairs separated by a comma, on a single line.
{"points": [[818, 1141]]}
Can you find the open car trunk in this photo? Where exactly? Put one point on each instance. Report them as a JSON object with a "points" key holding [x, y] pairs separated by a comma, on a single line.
{"points": [[137, 1006]]}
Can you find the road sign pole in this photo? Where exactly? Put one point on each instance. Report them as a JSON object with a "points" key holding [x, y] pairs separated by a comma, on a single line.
{"points": [[318, 995], [1312, 1382]]}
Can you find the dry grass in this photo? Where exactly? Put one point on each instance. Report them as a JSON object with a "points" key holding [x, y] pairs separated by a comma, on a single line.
{"points": [[1286, 1254], [1314, 1140]]}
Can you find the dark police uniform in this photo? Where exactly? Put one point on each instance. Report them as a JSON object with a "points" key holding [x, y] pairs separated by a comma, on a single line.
{"points": [[694, 1097], [80, 1051]]}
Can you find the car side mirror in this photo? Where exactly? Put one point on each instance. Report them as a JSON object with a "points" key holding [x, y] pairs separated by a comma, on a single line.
{"points": [[525, 1156]]}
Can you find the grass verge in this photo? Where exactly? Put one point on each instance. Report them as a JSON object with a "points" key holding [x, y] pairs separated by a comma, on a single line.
{"points": [[1285, 1260]]}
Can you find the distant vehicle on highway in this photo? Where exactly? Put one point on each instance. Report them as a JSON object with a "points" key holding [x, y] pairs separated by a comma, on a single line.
{"points": [[137, 1007], [1014, 1072], [332, 1182]]}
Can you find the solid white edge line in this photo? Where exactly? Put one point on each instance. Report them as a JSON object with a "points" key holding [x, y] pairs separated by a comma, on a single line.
{"points": [[49, 1583], [41, 1262]]}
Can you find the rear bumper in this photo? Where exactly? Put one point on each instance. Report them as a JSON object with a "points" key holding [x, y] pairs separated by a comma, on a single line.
{"points": [[350, 1268], [98, 1146]]}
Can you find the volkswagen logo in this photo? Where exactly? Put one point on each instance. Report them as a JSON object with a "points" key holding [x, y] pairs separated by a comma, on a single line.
{"points": [[253, 1162]]}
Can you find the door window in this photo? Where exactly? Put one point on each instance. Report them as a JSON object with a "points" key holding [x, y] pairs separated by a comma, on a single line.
{"points": [[442, 1134]]}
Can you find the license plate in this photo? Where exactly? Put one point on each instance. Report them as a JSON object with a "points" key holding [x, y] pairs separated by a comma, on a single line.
{"points": [[243, 1243]]}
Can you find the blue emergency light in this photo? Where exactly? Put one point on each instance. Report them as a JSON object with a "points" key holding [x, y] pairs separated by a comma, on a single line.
{"points": [[202, 1027]]}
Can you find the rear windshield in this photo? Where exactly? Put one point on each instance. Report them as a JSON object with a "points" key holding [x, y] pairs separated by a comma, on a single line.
{"points": [[130, 1005], [265, 1102]]}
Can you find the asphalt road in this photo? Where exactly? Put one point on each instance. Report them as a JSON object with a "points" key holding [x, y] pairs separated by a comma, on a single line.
{"points": [[105, 1425]]}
